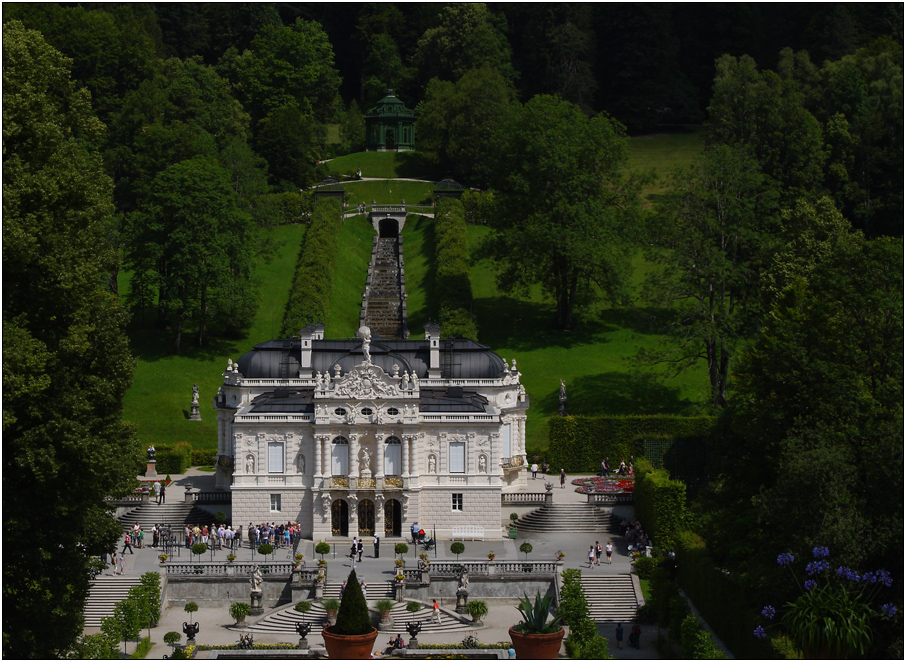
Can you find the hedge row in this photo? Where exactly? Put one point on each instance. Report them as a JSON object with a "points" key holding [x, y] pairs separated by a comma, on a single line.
{"points": [[176, 459], [726, 606], [660, 505], [283, 208], [452, 275], [310, 293], [579, 443]]}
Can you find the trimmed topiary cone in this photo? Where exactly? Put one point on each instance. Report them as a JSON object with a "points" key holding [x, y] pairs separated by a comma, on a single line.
{"points": [[352, 638]]}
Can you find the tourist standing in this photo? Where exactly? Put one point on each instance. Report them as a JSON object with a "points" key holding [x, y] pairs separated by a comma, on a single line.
{"points": [[123, 563], [155, 490], [162, 497], [562, 478], [619, 634], [114, 561], [609, 550], [361, 548], [591, 556], [414, 530], [598, 551], [534, 471], [377, 546], [127, 545]]}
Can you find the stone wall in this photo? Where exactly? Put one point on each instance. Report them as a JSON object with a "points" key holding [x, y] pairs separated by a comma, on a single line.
{"points": [[223, 591], [481, 507], [484, 587]]}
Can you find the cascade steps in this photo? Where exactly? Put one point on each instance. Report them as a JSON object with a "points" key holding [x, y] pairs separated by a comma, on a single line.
{"points": [[611, 598], [572, 517]]}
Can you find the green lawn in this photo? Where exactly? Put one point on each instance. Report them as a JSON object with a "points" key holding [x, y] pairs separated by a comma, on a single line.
{"points": [[158, 402], [389, 192], [349, 278], [418, 253], [387, 165], [664, 152]]}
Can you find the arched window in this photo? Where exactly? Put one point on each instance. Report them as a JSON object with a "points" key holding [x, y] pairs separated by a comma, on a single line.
{"points": [[393, 461], [339, 457]]}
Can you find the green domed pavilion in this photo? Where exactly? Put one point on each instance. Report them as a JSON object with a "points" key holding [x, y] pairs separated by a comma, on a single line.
{"points": [[390, 126]]}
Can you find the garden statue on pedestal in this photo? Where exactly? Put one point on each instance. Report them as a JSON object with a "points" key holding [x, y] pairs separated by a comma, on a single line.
{"points": [[562, 410], [462, 591], [256, 593], [151, 470], [194, 415]]}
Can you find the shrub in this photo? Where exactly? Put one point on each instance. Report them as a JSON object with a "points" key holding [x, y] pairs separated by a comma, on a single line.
{"points": [[265, 548], [199, 548], [239, 610], [352, 617], [644, 566], [525, 548], [535, 616], [689, 630], [172, 638], [331, 604], [322, 548], [220, 517], [452, 270], [303, 607], [401, 548], [579, 443], [190, 607], [310, 291], [141, 651], [172, 461], [457, 548], [660, 504], [413, 607], [203, 457]]}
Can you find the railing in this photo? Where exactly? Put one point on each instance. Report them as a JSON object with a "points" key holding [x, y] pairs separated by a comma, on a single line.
{"points": [[439, 569], [456, 417], [212, 497], [612, 499], [391, 481], [524, 498], [302, 418], [412, 575], [131, 500], [366, 483], [339, 481], [230, 569]]}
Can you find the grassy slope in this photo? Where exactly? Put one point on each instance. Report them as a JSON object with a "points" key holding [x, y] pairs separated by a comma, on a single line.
{"points": [[663, 152], [159, 399], [349, 279]]}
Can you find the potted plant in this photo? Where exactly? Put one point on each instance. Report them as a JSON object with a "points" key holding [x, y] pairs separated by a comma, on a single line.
{"points": [[320, 577], [172, 638], [322, 548], [163, 558], [231, 558], [239, 610], [265, 548], [401, 548], [457, 548], [331, 607], [477, 610], [353, 636], [513, 531], [383, 607], [297, 560], [491, 556], [536, 638], [400, 577], [399, 563], [561, 555]]}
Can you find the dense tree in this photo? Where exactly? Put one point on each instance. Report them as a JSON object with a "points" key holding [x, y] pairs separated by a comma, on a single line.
{"points": [[466, 38], [722, 226], [461, 125], [191, 248], [352, 129], [764, 113], [812, 452], [566, 205], [383, 69], [292, 143], [66, 361]]}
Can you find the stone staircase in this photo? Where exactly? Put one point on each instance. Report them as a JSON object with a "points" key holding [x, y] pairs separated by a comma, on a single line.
{"points": [[383, 304], [283, 621], [375, 591], [176, 515], [611, 598], [103, 594], [569, 517]]}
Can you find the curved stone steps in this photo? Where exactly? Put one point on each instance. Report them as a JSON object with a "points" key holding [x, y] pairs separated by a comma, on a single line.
{"points": [[571, 517]]}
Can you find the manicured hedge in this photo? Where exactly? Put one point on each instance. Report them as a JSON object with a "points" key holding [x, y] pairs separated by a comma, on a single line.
{"points": [[724, 604], [203, 457], [283, 208], [452, 275], [310, 293], [579, 443], [660, 505]]}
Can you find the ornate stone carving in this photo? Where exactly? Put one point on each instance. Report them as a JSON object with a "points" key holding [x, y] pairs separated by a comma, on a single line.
{"points": [[393, 481], [482, 464], [339, 481], [365, 382], [250, 464]]}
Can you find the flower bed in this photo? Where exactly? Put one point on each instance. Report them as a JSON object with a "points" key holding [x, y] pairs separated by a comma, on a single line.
{"points": [[608, 485]]}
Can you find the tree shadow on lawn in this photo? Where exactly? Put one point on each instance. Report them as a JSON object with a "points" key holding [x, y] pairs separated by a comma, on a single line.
{"points": [[151, 343], [615, 394], [414, 165]]}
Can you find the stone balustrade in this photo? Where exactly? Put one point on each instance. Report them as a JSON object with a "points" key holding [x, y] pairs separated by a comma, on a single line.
{"points": [[526, 498], [611, 499], [440, 569], [243, 569]]}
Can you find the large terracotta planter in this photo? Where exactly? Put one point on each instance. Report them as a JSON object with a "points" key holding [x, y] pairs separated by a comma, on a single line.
{"points": [[537, 646], [349, 646]]}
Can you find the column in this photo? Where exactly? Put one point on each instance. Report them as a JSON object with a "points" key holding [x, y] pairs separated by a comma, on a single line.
{"points": [[405, 441], [319, 455], [354, 455], [379, 440], [413, 459]]}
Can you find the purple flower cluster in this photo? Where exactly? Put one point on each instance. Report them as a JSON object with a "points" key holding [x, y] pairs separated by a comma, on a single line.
{"points": [[810, 584], [760, 633], [821, 552], [768, 612], [785, 559], [889, 610], [884, 577], [849, 574], [817, 566]]}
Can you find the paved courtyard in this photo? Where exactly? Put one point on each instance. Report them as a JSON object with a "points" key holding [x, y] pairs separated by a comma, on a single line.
{"points": [[215, 622]]}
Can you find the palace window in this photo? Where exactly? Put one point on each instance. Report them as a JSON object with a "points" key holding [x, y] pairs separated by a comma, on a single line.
{"points": [[275, 457], [275, 503], [366, 411], [339, 457], [393, 411], [393, 463], [339, 411], [457, 457], [457, 502]]}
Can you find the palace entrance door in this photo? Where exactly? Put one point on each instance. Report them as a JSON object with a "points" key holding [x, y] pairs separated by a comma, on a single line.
{"points": [[393, 518], [366, 517], [339, 518]]}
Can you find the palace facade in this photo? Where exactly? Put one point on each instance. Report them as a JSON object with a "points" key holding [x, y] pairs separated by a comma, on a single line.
{"points": [[356, 437]]}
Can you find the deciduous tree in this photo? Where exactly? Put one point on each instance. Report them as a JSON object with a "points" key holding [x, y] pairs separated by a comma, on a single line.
{"points": [[66, 361]]}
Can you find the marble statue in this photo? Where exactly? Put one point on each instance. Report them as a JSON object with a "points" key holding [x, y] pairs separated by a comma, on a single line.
{"points": [[151, 452], [482, 464], [432, 464], [366, 460], [256, 579], [562, 409], [195, 394], [250, 464], [300, 463], [463, 578]]}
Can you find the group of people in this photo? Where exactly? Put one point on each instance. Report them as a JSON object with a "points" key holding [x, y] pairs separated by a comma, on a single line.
{"points": [[595, 551], [634, 635], [357, 548], [544, 470], [420, 536], [278, 535], [395, 643], [623, 470], [159, 490], [632, 531]]}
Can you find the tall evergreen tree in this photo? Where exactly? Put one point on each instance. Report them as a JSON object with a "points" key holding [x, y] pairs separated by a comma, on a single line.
{"points": [[66, 360]]}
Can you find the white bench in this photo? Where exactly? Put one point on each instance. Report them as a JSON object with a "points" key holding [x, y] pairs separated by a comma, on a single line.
{"points": [[470, 532]]}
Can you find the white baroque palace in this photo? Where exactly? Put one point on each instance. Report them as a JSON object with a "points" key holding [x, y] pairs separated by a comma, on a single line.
{"points": [[354, 437]]}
